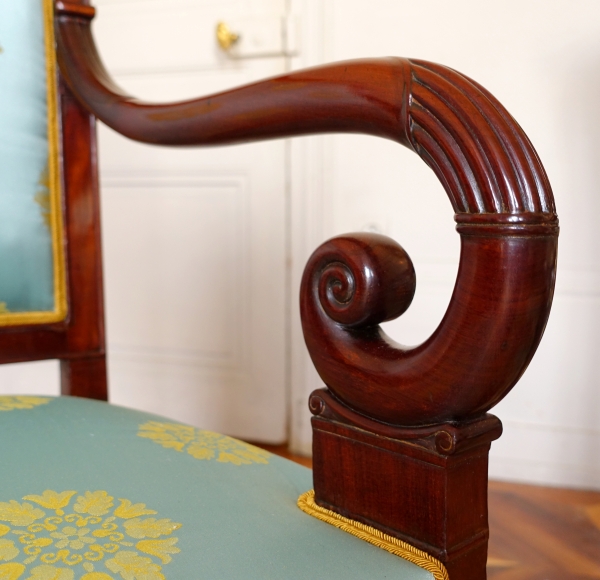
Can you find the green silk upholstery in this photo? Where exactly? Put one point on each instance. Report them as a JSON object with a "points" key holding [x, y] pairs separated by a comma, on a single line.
{"points": [[29, 233], [95, 491]]}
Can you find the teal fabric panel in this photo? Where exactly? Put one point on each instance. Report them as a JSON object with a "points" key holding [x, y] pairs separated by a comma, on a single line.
{"points": [[26, 268], [156, 509]]}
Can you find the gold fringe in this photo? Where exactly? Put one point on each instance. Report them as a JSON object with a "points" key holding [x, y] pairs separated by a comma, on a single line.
{"points": [[56, 222], [306, 502]]}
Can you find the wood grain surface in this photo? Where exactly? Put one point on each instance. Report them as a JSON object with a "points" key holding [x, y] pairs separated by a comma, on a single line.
{"points": [[543, 533], [536, 533]]}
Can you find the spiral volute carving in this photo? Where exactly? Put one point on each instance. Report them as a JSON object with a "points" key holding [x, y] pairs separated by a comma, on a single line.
{"points": [[363, 279]]}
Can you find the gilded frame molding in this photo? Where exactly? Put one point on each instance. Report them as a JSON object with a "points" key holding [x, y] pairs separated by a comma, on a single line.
{"points": [[59, 313]]}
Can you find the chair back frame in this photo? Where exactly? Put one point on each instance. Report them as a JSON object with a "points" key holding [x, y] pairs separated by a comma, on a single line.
{"points": [[78, 341]]}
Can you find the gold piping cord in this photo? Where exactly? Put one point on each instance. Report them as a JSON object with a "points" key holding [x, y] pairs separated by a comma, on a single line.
{"points": [[56, 222], [306, 502]]}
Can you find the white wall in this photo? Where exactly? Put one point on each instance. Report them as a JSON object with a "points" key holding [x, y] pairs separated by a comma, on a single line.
{"points": [[195, 330], [542, 60]]}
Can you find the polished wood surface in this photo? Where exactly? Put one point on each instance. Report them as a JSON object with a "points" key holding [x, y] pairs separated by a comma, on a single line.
{"points": [[484, 343], [543, 533], [77, 9], [81, 336], [424, 485], [84, 377], [536, 533]]}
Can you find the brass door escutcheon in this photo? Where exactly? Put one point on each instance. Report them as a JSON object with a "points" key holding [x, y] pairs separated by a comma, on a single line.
{"points": [[225, 37]]}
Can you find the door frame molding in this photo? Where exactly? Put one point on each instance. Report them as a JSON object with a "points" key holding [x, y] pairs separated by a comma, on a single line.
{"points": [[309, 218]]}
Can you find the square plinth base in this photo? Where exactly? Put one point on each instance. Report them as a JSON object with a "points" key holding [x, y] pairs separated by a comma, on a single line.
{"points": [[427, 487]]}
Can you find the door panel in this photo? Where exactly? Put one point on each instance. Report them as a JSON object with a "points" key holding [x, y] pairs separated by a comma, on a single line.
{"points": [[194, 239]]}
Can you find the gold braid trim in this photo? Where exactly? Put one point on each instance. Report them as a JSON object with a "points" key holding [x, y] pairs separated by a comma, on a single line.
{"points": [[59, 313], [306, 502], [60, 284]]}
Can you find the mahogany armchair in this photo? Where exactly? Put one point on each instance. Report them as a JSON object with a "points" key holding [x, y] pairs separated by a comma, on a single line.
{"points": [[401, 435]]}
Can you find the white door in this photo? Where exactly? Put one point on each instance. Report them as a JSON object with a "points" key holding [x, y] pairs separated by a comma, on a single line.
{"points": [[195, 239]]}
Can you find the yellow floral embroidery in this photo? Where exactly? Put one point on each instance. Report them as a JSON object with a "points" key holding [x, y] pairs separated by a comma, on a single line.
{"points": [[202, 444], [8, 403], [73, 538], [126, 510], [51, 573], [134, 567], [80, 535], [42, 197], [150, 527], [19, 514], [11, 571], [8, 550], [97, 503], [169, 435], [159, 548], [52, 500]]}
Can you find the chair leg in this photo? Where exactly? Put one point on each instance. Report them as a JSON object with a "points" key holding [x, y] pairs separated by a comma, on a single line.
{"points": [[426, 485], [84, 377]]}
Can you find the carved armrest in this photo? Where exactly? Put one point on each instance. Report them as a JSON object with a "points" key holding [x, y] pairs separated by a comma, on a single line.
{"points": [[502, 200], [391, 413]]}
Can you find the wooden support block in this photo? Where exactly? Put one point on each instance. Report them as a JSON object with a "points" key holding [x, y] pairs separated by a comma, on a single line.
{"points": [[84, 377], [424, 485]]}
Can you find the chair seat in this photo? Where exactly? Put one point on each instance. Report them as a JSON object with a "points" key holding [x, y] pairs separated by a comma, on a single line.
{"points": [[95, 491]]}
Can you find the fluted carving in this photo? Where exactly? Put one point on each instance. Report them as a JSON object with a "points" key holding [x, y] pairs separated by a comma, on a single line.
{"points": [[478, 151]]}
